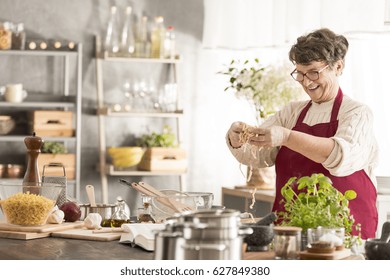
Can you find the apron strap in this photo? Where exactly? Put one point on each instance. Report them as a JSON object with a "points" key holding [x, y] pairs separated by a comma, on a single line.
{"points": [[336, 105]]}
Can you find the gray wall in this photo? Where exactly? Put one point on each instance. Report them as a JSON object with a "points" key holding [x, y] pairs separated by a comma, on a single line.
{"points": [[80, 21]]}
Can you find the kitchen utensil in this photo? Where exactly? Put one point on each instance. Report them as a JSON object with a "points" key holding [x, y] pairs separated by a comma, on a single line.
{"points": [[267, 219], [91, 195], [171, 202], [379, 249], [105, 210], [137, 187], [28, 205], [203, 200], [261, 237], [201, 235], [148, 190], [60, 180]]}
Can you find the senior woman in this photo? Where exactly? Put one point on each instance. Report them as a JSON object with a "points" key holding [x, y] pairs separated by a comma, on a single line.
{"points": [[330, 134]]}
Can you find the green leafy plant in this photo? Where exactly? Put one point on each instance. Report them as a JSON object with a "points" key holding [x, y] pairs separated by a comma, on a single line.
{"points": [[312, 201], [165, 139], [53, 148]]}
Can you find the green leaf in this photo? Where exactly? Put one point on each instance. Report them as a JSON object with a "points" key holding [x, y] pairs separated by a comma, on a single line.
{"points": [[350, 194]]}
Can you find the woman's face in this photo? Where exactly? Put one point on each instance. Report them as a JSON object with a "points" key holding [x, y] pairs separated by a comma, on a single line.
{"points": [[325, 88]]}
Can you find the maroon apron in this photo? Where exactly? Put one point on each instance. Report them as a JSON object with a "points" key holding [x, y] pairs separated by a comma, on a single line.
{"points": [[292, 164]]}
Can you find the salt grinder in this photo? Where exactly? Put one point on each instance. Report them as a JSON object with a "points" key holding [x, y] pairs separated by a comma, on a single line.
{"points": [[34, 145]]}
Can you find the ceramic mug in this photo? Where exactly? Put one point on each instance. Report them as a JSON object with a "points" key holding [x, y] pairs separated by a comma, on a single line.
{"points": [[14, 93]]}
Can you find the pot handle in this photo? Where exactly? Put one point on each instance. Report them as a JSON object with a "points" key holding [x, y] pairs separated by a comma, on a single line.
{"points": [[198, 247], [245, 231]]}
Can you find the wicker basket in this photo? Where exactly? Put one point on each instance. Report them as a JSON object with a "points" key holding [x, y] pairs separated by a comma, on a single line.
{"points": [[6, 124]]}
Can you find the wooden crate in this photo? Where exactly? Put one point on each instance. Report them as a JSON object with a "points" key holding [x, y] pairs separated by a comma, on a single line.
{"points": [[164, 159], [51, 123], [68, 160]]}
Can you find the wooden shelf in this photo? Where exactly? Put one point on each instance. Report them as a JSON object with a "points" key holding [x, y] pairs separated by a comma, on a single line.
{"points": [[106, 111], [111, 170]]}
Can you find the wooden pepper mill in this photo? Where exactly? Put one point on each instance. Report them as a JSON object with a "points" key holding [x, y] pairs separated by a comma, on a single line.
{"points": [[34, 145]]}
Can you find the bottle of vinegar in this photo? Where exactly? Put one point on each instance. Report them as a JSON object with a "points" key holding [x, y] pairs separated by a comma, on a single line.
{"points": [[157, 37], [142, 43]]}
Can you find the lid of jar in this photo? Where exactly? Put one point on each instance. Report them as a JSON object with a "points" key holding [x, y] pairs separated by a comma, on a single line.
{"points": [[287, 230]]}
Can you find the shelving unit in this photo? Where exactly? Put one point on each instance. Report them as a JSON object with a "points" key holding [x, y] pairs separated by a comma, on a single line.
{"points": [[104, 111], [68, 101]]}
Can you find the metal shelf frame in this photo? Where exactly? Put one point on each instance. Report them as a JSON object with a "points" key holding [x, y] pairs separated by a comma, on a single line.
{"points": [[104, 111], [74, 105]]}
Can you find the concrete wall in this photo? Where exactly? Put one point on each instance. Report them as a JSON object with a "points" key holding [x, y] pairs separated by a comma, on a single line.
{"points": [[80, 21]]}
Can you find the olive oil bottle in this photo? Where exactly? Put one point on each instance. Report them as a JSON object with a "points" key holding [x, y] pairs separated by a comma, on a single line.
{"points": [[120, 216]]}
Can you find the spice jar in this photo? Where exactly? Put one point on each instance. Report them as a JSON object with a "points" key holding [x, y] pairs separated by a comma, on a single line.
{"points": [[18, 37], [5, 35], [287, 242]]}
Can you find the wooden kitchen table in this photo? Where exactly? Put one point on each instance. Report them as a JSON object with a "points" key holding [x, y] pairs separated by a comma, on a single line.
{"points": [[52, 248]]}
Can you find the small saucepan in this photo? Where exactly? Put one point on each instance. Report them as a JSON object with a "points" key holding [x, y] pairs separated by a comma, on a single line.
{"points": [[105, 210]]}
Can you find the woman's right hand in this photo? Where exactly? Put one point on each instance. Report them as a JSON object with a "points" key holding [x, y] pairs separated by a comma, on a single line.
{"points": [[234, 134]]}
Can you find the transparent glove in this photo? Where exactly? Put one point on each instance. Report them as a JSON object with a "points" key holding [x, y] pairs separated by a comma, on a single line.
{"points": [[234, 134], [273, 136]]}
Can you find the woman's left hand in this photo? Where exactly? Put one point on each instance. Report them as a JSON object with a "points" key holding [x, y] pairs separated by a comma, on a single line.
{"points": [[269, 137]]}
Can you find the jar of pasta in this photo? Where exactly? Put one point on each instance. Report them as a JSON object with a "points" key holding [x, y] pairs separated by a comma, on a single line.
{"points": [[5, 36]]}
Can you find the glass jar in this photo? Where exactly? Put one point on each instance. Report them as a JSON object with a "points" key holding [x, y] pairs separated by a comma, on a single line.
{"points": [[18, 37], [287, 242], [5, 35]]}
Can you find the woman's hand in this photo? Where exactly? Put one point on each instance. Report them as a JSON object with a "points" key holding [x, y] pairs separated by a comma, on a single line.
{"points": [[234, 134], [273, 136]]}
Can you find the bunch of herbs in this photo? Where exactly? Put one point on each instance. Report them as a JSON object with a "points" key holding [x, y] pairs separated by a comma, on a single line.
{"points": [[312, 201]]}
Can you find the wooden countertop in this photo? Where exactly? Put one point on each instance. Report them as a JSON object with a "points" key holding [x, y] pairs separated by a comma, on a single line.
{"points": [[260, 195]]}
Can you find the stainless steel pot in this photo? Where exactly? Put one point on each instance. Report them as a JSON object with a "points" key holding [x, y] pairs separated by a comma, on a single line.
{"points": [[105, 210], [207, 234]]}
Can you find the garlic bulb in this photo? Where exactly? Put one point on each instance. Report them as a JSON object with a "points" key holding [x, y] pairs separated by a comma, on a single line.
{"points": [[56, 217], [92, 221]]}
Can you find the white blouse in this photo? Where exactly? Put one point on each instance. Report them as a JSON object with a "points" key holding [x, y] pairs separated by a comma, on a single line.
{"points": [[355, 145]]}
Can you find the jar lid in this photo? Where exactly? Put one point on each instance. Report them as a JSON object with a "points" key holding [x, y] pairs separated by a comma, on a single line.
{"points": [[287, 230]]}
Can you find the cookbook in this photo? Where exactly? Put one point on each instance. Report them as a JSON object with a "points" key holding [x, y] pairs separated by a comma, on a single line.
{"points": [[142, 234]]}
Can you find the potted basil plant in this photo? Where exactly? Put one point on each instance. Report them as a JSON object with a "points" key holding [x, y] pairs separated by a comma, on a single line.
{"points": [[312, 201]]}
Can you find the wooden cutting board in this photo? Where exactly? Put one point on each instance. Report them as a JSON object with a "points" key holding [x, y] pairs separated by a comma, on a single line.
{"points": [[336, 255], [86, 234], [23, 235], [48, 228]]}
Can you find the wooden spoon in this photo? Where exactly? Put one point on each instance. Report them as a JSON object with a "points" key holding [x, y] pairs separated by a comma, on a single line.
{"points": [[91, 195]]}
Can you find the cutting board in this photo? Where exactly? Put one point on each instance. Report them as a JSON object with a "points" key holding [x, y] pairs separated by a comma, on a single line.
{"points": [[336, 255], [86, 234], [48, 228], [23, 235]]}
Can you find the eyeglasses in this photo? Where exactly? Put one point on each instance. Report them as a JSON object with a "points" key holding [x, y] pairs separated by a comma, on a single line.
{"points": [[311, 75]]}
